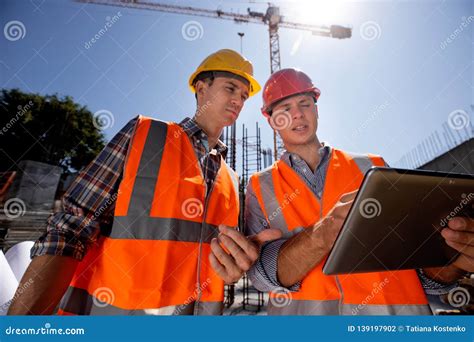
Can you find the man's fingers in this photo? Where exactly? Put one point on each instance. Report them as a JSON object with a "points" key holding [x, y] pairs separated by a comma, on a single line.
{"points": [[461, 237], [224, 258], [462, 248], [266, 235], [348, 196], [461, 224], [221, 271], [248, 247], [241, 259], [341, 210], [217, 266]]}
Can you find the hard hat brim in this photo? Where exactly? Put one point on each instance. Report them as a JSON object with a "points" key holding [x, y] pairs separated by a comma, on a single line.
{"points": [[266, 109], [254, 86]]}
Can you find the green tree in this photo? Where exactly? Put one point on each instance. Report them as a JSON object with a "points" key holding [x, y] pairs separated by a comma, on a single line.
{"points": [[47, 129]]}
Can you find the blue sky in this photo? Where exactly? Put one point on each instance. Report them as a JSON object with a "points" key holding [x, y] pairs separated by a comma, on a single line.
{"points": [[383, 91]]}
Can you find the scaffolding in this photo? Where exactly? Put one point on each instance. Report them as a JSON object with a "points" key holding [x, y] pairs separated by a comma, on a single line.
{"points": [[253, 300], [229, 138], [251, 153], [253, 157], [230, 141]]}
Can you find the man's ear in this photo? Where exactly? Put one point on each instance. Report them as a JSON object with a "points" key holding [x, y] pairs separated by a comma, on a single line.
{"points": [[200, 87]]}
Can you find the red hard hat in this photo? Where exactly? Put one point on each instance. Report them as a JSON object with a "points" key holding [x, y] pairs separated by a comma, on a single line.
{"points": [[285, 83]]}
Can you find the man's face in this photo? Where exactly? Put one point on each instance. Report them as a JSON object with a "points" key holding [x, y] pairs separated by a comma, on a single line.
{"points": [[296, 119], [223, 100]]}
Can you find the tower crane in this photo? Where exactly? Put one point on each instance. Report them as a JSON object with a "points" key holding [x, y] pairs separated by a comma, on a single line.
{"points": [[271, 18]]}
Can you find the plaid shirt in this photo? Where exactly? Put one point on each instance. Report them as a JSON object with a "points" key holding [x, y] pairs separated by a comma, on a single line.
{"points": [[71, 231]]}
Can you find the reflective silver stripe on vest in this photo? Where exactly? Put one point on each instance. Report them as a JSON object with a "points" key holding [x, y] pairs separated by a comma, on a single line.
{"points": [[399, 309], [331, 307], [80, 302], [158, 228], [147, 173], [363, 161], [272, 207], [209, 308], [305, 307]]}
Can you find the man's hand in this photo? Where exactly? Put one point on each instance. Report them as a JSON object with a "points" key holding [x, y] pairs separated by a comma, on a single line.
{"points": [[459, 235], [242, 251], [325, 232], [302, 252]]}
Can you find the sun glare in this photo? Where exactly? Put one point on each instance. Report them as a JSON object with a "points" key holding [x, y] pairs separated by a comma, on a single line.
{"points": [[317, 12]]}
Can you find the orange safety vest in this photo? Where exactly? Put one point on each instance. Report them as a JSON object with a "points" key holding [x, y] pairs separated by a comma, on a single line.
{"points": [[289, 205], [155, 259]]}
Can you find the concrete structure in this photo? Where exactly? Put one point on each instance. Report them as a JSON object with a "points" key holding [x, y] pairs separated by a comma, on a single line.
{"points": [[35, 184], [459, 160]]}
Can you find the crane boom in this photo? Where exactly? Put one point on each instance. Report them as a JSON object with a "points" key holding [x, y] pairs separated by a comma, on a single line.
{"points": [[251, 17], [270, 18]]}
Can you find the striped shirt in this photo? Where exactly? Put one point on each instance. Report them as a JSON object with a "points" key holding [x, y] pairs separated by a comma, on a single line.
{"points": [[87, 206]]}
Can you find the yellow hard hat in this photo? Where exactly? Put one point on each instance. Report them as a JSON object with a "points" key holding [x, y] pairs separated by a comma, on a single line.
{"points": [[230, 61]]}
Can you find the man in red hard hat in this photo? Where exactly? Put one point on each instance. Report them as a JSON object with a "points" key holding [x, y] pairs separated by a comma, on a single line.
{"points": [[307, 194]]}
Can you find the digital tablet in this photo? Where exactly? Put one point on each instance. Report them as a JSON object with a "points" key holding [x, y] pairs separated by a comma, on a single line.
{"points": [[396, 219]]}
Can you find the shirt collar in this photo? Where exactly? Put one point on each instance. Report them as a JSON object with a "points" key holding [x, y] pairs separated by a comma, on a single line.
{"points": [[190, 126], [293, 159]]}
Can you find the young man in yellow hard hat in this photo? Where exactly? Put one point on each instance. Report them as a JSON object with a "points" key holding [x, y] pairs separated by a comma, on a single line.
{"points": [[307, 195], [138, 234]]}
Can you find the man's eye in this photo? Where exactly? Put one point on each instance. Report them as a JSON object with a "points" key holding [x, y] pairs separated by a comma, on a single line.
{"points": [[282, 110], [231, 89]]}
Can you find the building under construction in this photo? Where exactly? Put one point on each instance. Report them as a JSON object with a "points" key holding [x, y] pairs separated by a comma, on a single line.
{"points": [[450, 150]]}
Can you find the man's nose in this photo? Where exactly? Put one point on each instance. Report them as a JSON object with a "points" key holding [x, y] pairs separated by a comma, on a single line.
{"points": [[297, 113], [237, 102]]}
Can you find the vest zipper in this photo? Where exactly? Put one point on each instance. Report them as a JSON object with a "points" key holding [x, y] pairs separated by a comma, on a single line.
{"points": [[196, 305], [338, 284], [207, 196], [320, 200], [198, 276]]}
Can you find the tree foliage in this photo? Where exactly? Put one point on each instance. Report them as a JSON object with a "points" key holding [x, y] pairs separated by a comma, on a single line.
{"points": [[47, 129]]}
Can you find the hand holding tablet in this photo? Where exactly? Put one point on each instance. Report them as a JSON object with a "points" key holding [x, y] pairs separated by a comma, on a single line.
{"points": [[396, 220]]}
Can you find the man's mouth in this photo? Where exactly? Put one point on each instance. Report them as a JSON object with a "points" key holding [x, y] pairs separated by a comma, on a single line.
{"points": [[299, 128]]}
